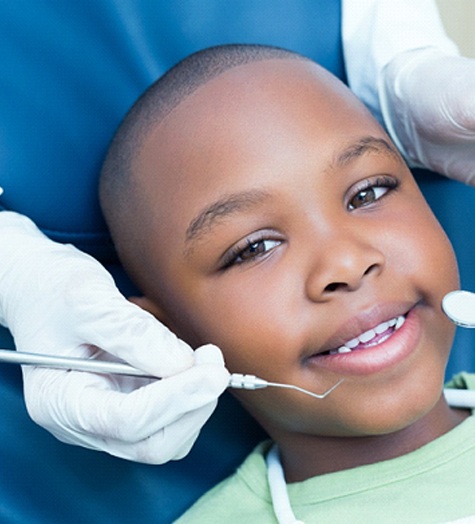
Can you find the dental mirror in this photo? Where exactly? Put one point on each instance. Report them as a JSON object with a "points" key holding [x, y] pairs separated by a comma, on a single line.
{"points": [[459, 306]]}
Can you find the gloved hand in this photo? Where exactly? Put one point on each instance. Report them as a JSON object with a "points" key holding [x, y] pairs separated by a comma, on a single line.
{"points": [[58, 300], [428, 104]]}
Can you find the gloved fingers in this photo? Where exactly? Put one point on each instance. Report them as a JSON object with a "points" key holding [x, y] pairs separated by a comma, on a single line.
{"points": [[456, 94], [208, 354], [137, 415], [175, 440], [71, 300], [170, 443], [95, 405], [102, 317], [428, 104], [135, 336]]}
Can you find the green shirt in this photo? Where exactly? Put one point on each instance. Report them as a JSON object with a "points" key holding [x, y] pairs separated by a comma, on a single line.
{"points": [[434, 484]]}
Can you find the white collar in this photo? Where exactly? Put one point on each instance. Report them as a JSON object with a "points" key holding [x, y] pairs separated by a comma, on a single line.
{"points": [[278, 489], [275, 474]]}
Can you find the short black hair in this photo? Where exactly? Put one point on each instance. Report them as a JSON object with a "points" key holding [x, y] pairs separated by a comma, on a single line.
{"points": [[119, 194]]}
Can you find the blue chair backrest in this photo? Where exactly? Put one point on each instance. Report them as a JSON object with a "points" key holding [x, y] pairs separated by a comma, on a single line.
{"points": [[70, 72]]}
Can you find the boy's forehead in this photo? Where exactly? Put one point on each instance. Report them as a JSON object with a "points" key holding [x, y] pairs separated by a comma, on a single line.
{"points": [[253, 80], [265, 83], [237, 123], [237, 76]]}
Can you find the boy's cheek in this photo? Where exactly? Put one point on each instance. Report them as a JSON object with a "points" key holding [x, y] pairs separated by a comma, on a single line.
{"points": [[419, 250], [249, 323]]}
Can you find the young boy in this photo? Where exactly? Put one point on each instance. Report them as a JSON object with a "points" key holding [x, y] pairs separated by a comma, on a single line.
{"points": [[260, 207]]}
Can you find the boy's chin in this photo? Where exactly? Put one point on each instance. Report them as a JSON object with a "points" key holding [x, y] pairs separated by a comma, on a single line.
{"points": [[390, 421], [384, 419]]}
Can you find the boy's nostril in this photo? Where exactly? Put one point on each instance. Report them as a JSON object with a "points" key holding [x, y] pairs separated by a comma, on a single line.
{"points": [[337, 286], [370, 268], [334, 286]]}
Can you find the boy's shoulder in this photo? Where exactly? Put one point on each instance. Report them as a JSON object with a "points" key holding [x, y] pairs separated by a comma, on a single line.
{"points": [[244, 493]]}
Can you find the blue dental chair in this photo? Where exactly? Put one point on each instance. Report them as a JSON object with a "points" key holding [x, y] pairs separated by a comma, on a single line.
{"points": [[70, 72]]}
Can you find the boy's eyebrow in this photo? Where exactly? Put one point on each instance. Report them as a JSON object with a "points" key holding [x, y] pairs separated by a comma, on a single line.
{"points": [[365, 145], [223, 207], [241, 201]]}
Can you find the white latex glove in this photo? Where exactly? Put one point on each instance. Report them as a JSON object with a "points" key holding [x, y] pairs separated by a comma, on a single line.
{"points": [[428, 104], [59, 301]]}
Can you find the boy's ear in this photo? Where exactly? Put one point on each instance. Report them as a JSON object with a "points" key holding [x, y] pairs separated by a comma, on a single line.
{"points": [[151, 307]]}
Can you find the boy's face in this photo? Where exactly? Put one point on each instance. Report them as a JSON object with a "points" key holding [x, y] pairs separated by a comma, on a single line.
{"points": [[285, 225]]}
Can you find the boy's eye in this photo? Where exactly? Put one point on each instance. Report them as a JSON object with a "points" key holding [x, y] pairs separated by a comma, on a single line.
{"points": [[371, 192], [252, 251]]}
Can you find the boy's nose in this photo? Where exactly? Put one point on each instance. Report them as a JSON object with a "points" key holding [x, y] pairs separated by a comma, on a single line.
{"points": [[343, 265]]}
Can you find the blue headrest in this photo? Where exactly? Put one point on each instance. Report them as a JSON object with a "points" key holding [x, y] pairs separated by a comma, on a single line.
{"points": [[70, 71]]}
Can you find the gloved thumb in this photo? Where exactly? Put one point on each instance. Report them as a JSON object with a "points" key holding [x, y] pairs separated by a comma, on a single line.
{"points": [[124, 330]]}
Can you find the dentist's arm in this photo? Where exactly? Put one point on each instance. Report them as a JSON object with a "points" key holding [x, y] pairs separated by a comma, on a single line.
{"points": [[401, 63], [57, 300]]}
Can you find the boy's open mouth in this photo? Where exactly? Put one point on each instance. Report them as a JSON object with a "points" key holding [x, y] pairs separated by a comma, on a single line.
{"points": [[370, 338], [371, 341]]}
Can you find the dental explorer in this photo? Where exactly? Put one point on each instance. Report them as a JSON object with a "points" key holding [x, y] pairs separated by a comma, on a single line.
{"points": [[236, 380]]}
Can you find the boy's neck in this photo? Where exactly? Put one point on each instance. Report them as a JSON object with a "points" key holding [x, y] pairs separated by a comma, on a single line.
{"points": [[305, 456]]}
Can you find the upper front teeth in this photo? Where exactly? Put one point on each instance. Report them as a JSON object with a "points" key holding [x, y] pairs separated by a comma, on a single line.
{"points": [[367, 336]]}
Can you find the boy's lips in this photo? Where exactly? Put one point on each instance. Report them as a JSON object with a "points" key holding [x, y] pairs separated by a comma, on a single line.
{"points": [[371, 341]]}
